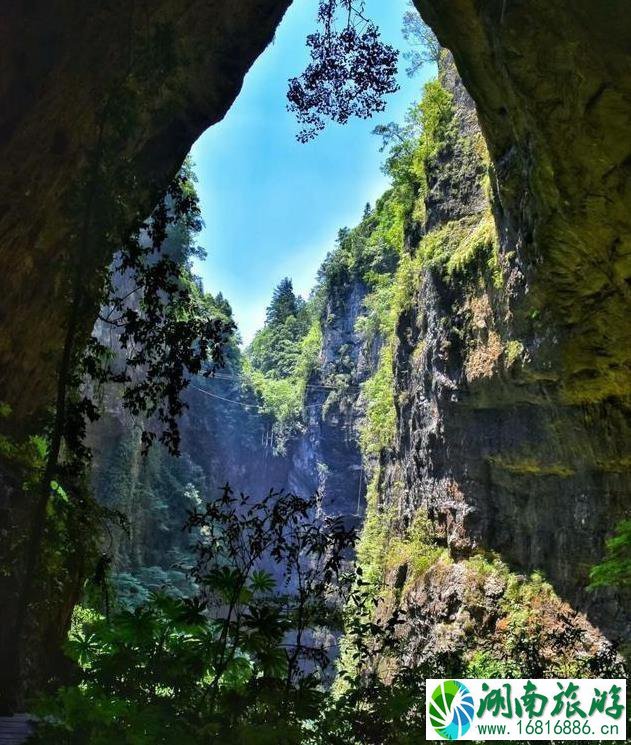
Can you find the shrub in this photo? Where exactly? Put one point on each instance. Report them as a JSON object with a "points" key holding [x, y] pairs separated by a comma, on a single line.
{"points": [[233, 662]]}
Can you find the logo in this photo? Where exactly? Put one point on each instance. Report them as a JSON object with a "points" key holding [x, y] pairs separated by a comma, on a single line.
{"points": [[451, 709]]}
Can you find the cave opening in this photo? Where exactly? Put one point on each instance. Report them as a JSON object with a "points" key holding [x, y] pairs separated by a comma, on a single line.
{"points": [[354, 412]]}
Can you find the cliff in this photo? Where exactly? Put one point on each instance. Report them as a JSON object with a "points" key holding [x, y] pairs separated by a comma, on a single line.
{"points": [[488, 490], [492, 458], [228, 437]]}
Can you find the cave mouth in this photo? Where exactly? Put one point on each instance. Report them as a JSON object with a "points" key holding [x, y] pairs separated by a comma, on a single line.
{"points": [[326, 441]]}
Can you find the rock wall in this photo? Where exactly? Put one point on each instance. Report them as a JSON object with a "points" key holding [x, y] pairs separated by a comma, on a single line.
{"points": [[552, 87], [328, 453], [490, 446], [226, 439]]}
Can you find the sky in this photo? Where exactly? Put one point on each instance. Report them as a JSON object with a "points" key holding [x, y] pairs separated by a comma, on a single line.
{"points": [[272, 206]]}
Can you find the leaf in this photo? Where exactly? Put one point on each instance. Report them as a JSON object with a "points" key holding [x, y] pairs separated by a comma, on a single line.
{"points": [[262, 581]]}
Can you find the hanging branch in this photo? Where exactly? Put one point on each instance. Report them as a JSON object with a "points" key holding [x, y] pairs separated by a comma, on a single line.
{"points": [[350, 73]]}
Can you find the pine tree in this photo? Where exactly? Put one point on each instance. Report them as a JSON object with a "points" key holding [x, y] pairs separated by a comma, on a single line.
{"points": [[284, 303]]}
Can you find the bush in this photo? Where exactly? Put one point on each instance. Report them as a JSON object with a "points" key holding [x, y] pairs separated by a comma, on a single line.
{"points": [[615, 569]]}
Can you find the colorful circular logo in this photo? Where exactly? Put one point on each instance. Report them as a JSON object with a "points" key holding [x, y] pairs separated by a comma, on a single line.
{"points": [[451, 709]]}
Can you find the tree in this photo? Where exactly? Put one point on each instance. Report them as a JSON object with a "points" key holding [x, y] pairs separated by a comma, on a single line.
{"points": [[166, 331], [284, 303], [425, 47], [350, 73]]}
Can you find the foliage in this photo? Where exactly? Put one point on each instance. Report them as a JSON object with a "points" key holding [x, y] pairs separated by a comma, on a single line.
{"points": [[385, 545], [415, 547], [281, 359], [165, 330], [282, 401], [366, 252], [276, 348], [425, 47], [150, 497], [365, 707], [376, 321], [428, 126], [374, 535], [379, 428], [284, 304], [615, 569], [27, 456], [350, 72], [485, 664], [240, 660], [460, 247], [235, 661]]}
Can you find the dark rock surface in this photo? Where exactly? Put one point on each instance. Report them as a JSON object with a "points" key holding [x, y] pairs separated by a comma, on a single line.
{"points": [[125, 88], [488, 443]]}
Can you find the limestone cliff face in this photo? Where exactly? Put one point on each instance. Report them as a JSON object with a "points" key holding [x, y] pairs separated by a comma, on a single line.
{"points": [[552, 86], [328, 452], [225, 439], [490, 446]]}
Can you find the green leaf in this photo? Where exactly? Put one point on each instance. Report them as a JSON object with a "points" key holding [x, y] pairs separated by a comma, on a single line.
{"points": [[262, 581]]}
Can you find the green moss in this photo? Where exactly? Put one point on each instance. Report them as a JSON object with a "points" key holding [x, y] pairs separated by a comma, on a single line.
{"points": [[514, 350], [615, 465], [377, 319], [489, 664], [373, 538], [615, 569], [382, 548], [416, 548], [529, 466], [457, 248]]}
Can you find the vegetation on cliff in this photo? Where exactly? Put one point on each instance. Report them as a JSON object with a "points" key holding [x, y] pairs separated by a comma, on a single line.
{"points": [[281, 358]]}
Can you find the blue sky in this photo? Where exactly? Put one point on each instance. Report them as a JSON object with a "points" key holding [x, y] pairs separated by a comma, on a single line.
{"points": [[272, 206]]}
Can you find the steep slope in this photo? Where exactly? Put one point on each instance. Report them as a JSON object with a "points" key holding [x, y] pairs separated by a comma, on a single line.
{"points": [[229, 435]]}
